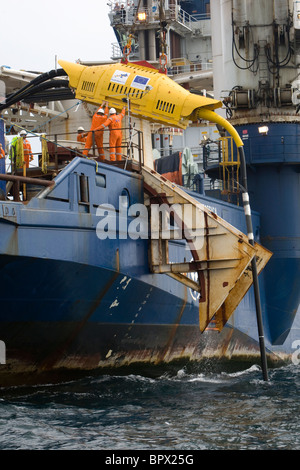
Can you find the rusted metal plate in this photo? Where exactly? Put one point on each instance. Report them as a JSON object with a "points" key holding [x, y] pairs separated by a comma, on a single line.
{"points": [[221, 253], [241, 288]]}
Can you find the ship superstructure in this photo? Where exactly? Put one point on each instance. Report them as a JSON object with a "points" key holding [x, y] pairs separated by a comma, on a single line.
{"points": [[175, 36]]}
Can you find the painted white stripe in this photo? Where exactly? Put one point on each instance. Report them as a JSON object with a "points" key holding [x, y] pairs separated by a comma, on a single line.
{"points": [[247, 210], [245, 197]]}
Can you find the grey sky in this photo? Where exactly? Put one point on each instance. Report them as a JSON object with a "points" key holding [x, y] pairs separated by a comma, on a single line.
{"points": [[33, 32]]}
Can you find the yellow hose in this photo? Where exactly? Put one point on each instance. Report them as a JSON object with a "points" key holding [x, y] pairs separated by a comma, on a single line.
{"points": [[211, 116]]}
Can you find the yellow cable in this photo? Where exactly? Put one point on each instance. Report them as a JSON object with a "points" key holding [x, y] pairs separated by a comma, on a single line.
{"points": [[211, 116]]}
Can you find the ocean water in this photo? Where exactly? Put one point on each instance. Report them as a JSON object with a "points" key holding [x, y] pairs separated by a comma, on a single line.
{"points": [[184, 412]]}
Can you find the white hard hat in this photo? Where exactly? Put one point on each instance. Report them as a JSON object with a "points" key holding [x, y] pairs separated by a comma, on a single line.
{"points": [[80, 129], [23, 132], [100, 110], [112, 111]]}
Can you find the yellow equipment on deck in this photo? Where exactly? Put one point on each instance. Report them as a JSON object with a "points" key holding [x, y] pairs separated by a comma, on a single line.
{"points": [[153, 95]]}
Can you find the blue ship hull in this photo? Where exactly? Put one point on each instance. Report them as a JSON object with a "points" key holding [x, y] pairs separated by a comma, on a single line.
{"points": [[273, 169], [72, 303], [116, 322], [274, 189]]}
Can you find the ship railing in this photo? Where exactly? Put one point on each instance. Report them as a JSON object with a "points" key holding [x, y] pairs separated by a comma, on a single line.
{"points": [[131, 147], [118, 48], [24, 182], [183, 65], [127, 14], [52, 152], [20, 187], [175, 66], [206, 157]]}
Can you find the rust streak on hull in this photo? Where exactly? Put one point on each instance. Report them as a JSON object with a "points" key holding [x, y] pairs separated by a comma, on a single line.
{"points": [[55, 357], [172, 335]]}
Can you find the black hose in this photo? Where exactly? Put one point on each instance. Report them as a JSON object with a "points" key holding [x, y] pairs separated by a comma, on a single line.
{"points": [[52, 94], [18, 95], [42, 86]]}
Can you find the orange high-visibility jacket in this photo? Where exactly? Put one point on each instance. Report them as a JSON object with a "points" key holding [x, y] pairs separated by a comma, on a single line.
{"points": [[114, 122], [81, 137], [98, 119], [28, 157]]}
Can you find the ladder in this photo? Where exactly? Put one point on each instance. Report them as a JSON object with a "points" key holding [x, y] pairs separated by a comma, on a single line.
{"points": [[220, 254], [230, 165], [263, 70]]}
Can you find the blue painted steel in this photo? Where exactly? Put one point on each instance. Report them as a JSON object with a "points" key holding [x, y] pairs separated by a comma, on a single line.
{"points": [[196, 7], [68, 292], [49, 234], [274, 190], [280, 143]]}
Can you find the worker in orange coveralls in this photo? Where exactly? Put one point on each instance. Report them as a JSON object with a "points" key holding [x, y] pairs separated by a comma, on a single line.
{"points": [[2, 152], [81, 135], [28, 157], [99, 118], [114, 123]]}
